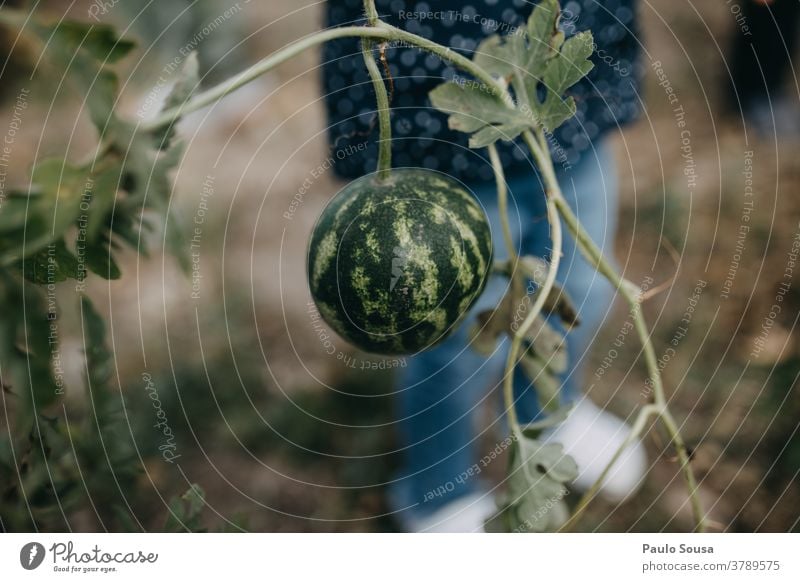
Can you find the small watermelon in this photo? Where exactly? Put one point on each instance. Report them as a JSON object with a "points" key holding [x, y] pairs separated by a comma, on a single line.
{"points": [[394, 265]]}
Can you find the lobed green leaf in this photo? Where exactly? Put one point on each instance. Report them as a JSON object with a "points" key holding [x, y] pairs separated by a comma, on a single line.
{"points": [[535, 60]]}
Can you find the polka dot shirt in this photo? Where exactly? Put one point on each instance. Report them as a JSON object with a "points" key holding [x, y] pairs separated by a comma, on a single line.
{"points": [[605, 100]]}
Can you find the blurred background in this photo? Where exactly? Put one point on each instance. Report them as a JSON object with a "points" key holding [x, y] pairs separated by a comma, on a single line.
{"points": [[274, 417]]}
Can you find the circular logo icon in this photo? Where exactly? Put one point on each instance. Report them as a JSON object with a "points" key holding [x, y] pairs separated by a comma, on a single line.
{"points": [[31, 555]]}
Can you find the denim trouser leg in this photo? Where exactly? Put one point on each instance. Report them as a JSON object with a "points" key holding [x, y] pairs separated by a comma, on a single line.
{"points": [[591, 190], [441, 389]]}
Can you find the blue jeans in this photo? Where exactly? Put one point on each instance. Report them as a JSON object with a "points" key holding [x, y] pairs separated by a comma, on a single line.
{"points": [[440, 390]]}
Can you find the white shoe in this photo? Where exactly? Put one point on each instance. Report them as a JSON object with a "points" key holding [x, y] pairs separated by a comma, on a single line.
{"points": [[592, 436], [466, 514]]}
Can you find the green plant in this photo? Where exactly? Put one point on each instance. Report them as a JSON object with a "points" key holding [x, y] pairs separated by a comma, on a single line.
{"points": [[72, 221], [437, 240], [518, 91]]}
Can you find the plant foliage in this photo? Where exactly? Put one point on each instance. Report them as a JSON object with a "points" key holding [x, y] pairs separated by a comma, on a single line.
{"points": [[537, 63], [74, 219]]}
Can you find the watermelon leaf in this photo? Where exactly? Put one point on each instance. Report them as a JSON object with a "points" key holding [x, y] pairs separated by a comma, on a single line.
{"points": [[473, 109], [53, 264], [25, 345], [185, 86], [84, 51], [538, 474], [82, 203], [540, 67]]}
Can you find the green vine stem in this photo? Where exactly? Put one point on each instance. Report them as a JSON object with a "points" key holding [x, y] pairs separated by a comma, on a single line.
{"points": [[509, 266], [556, 204], [254, 71], [519, 335], [542, 294], [381, 97], [631, 294], [381, 31], [502, 200], [371, 12]]}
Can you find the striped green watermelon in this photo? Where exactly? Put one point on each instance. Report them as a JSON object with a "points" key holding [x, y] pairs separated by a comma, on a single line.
{"points": [[394, 265]]}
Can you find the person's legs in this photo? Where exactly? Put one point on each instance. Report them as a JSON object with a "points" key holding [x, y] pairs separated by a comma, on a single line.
{"points": [[437, 396], [590, 187], [440, 390], [590, 435]]}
